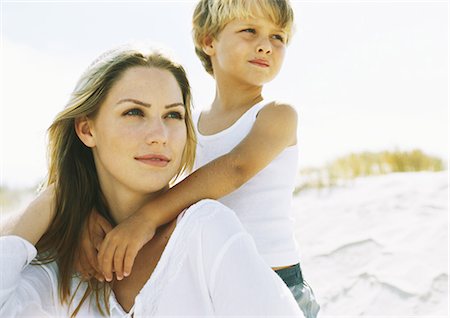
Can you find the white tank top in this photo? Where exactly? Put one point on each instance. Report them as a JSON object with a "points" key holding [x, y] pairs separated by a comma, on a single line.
{"points": [[264, 203]]}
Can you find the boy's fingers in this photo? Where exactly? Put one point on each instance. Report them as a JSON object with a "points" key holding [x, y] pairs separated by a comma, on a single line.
{"points": [[91, 258], [85, 271], [104, 224], [88, 252], [97, 242], [100, 253], [105, 260], [92, 221], [118, 261], [99, 277], [78, 263], [99, 224], [98, 233], [130, 256]]}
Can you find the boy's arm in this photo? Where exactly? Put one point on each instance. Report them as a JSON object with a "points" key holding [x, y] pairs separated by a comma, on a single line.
{"points": [[91, 237], [275, 129]]}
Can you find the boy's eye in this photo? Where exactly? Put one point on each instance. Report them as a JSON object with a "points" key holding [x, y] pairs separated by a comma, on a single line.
{"points": [[249, 30], [175, 115], [134, 112], [278, 37]]}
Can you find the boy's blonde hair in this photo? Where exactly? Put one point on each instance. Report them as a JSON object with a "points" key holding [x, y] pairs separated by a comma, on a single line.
{"points": [[211, 16]]}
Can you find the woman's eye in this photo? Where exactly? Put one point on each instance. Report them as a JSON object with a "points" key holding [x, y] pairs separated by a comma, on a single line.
{"points": [[134, 112], [175, 115]]}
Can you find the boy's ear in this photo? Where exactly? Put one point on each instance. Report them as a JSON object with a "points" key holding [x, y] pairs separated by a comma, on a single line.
{"points": [[208, 45], [83, 128]]}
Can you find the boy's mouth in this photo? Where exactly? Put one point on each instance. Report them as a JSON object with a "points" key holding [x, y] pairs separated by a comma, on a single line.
{"points": [[260, 62]]}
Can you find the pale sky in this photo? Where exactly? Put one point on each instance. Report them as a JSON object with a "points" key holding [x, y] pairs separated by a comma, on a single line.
{"points": [[363, 75]]}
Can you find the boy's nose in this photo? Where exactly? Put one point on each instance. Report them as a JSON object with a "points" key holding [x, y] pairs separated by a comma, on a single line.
{"points": [[264, 46], [156, 133]]}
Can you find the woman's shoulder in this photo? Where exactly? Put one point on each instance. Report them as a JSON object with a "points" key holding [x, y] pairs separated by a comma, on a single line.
{"points": [[214, 217], [202, 229], [209, 209], [209, 204], [217, 228]]}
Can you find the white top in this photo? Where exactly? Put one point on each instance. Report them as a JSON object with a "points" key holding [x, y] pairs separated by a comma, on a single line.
{"points": [[264, 203], [209, 267]]}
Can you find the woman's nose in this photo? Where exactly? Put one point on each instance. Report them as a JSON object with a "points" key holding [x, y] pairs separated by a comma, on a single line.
{"points": [[156, 132]]}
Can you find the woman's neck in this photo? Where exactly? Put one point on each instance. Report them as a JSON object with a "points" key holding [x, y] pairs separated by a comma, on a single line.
{"points": [[122, 203]]}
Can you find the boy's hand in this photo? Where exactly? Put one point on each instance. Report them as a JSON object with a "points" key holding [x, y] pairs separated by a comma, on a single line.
{"points": [[91, 239], [120, 246]]}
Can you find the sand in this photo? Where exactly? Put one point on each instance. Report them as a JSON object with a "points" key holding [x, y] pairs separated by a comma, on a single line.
{"points": [[378, 246]]}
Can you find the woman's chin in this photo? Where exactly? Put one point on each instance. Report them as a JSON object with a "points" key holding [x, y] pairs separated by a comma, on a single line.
{"points": [[154, 189]]}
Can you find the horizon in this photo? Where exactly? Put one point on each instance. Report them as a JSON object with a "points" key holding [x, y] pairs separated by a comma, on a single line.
{"points": [[363, 76]]}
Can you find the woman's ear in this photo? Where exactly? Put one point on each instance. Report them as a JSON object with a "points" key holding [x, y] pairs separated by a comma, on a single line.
{"points": [[83, 128], [208, 45]]}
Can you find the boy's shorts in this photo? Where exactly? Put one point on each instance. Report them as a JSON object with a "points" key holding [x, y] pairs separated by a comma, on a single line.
{"points": [[302, 292]]}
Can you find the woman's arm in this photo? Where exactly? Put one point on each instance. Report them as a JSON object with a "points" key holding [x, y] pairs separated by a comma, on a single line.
{"points": [[32, 223], [25, 290]]}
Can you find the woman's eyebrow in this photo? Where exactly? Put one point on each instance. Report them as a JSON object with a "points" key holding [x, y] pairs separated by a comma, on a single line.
{"points": [[135, 101], [138, 102]]}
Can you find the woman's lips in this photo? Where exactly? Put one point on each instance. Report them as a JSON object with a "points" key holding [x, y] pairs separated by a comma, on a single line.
{"points": [[154, 160]]}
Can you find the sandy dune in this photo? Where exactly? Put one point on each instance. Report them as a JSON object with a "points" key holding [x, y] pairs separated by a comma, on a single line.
{"points": [[378, 246]]}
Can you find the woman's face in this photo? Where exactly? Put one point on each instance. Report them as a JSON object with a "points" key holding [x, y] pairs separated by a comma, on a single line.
{"points": [[139, 132]]}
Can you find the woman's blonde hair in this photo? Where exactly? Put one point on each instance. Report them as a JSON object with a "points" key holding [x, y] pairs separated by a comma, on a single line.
{"points": [[71, 165], [211, 16]]}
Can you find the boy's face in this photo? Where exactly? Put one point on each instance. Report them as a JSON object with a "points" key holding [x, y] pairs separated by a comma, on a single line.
{"points": [[251, 50]]}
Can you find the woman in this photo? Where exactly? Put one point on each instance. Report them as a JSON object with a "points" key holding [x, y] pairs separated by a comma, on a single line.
{"points": [[125, 134]]}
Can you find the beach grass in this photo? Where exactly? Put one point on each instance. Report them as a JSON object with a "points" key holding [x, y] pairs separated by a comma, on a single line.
{"points": [[344, 169]]}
